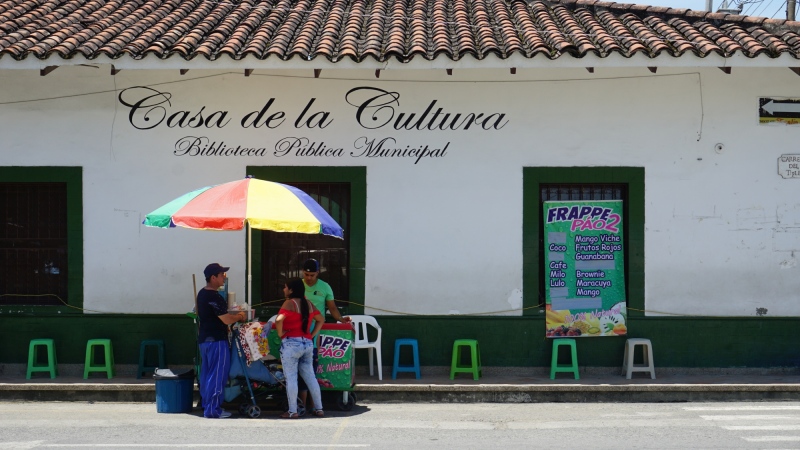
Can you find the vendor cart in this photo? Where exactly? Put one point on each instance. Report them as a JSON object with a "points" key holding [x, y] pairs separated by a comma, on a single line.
{"points": [[336, 369], [252, 377]]}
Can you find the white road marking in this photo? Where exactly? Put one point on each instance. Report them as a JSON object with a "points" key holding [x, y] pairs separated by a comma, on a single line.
{"points": [[21, 445], [754, 417], [749, 417], [772, 438], [743, 408], [203, 445]]}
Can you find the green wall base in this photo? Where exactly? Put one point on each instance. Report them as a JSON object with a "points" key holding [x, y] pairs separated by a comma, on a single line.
{"points": [[699, 342]]}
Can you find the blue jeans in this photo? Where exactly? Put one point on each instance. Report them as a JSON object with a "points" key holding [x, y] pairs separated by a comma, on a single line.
{"points": [[296, 356], [301, 384]]}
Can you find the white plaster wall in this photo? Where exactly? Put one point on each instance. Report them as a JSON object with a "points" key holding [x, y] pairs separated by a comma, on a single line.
{"points": [[443, 235]]}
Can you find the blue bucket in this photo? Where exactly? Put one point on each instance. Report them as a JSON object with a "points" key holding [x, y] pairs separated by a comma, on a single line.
{"points": [[174, 394]]}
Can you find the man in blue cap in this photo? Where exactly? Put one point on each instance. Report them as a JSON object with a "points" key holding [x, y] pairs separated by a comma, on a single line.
{"points": [[212, 337]]}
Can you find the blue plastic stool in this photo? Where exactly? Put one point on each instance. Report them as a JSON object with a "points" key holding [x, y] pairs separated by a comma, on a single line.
{"points": [[415, 350], [572, 367], [52, 364], [159, 344], [108, 353]]}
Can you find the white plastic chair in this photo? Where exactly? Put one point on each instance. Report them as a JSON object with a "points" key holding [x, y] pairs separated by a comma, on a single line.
{"points": [[362, 341]]}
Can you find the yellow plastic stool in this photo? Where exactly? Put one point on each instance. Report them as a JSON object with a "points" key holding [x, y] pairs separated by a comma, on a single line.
{"points": [[108, 353], [456, 365], [572, 367], [52, 363]]}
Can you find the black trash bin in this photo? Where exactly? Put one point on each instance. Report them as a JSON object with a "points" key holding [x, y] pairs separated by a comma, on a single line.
{"points": [[174, 391]]}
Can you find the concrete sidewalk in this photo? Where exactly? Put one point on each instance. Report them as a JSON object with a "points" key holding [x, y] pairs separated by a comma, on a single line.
{"points": [[497, 385]]}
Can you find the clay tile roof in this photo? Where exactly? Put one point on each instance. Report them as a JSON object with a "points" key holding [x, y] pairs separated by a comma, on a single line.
{"points": [[379, 29]]}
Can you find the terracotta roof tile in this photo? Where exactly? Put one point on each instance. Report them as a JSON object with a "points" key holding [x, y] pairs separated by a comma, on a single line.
{"points": [[703, 44], [622, 36], [727, 46], [746, 42], [378, 29]]}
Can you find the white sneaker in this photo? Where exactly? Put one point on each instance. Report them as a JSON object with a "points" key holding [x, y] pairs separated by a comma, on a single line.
{"points": [[224, 414]]}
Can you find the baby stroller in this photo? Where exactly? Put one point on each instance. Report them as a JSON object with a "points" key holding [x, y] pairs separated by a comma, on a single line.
{"points": [[250, 367]]}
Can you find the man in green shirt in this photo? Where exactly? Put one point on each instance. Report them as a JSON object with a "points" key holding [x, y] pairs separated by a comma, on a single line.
{"points": [[320, 294]]}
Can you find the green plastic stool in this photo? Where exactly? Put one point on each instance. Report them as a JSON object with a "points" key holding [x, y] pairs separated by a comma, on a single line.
{"points": [[456, 366], [555, 367], [91, 366], [52, 363], [159, 345]]}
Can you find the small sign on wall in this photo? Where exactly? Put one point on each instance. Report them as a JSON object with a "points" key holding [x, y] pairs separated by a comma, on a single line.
{"points": [[789, 166], [779, 110]]}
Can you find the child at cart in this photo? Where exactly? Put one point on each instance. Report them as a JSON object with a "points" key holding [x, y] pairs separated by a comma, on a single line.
{"points": [[297, 346]]}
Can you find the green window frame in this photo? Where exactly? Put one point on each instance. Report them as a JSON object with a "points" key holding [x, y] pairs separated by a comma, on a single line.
{"points": [[357, 177], [533, 178], [73, 178]]}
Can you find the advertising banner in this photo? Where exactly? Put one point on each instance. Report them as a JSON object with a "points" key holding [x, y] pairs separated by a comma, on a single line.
{"points": [[584, 269], [336, 370]]}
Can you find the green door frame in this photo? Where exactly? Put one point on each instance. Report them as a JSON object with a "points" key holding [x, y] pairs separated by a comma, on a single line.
{"points": [[533, 178], [73, 177]]}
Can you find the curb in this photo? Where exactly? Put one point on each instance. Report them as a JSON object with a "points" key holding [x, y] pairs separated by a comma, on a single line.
{"points": [[433, 393], [544, 393]]}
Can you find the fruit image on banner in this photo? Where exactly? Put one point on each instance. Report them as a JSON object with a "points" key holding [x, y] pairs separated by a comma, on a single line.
{"points": [[584, 269]]}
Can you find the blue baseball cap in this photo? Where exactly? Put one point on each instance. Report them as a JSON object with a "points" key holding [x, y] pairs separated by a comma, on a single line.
{"points": [[311, 265], [214, 269]]}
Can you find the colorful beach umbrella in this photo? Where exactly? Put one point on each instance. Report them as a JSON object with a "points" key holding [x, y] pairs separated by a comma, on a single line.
{"points": [[248, 203], [263, 205]]}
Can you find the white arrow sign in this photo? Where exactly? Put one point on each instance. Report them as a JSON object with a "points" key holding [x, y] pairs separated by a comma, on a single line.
{"points": [[771, 107]]}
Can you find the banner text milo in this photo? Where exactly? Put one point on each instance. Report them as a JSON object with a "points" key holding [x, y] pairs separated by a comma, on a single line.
{"points": [[584, 269]]}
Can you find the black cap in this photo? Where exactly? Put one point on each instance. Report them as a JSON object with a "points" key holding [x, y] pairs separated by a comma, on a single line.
{"points": [[311, 265], [214, 269]]}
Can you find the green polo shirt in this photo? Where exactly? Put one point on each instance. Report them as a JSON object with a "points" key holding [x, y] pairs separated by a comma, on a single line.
{"points": [[319, 294]]}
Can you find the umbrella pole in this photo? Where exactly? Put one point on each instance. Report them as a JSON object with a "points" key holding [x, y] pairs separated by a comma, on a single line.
{"points": [[249, 268], [197, 362]]}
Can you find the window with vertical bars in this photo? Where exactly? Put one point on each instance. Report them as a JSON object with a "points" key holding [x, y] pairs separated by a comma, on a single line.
{"points": [[33, 243], [283, 254], [593, 191]]}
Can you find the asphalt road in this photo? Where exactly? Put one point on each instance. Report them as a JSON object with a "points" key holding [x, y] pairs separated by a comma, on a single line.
{"points": [[618, 426]]}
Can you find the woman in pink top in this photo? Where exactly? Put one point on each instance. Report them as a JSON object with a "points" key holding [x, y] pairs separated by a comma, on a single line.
{"points": [[297, 346]]}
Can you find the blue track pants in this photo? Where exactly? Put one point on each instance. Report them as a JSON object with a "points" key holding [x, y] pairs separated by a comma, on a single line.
{"points": [[216, 357]]}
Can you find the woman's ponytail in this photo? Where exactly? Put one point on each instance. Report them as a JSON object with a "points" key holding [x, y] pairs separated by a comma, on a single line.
{"points": [[298, 290]]}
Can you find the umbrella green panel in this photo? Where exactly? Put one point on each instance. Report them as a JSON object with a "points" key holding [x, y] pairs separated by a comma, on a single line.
{"points": [[355, 227], [533, 272], [32, 290]]}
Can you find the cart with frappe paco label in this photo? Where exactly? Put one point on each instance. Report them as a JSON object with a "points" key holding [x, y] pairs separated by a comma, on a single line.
{"points": [[336, 368]]}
